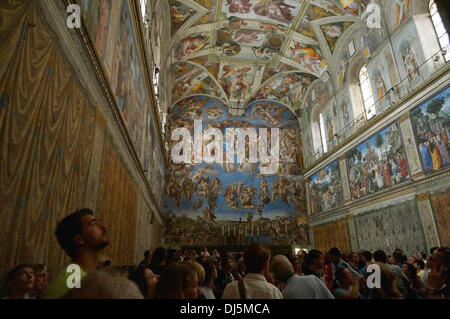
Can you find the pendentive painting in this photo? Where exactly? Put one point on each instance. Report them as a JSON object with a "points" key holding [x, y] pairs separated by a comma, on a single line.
{"points": [[431, 127], [378, 163]]}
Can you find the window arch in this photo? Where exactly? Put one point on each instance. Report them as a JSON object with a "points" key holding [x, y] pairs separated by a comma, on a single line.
{"points": [[439, 27], [366, 91]]}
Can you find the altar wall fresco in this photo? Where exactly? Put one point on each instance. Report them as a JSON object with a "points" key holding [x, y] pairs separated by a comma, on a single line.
{"points": [[203, 200]]}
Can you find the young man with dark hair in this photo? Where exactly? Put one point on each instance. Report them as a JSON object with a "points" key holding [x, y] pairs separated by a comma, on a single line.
{"points": [[147, 259], [314, 263], [366, 257], [254, 285], [337, 262], [82, 237]]}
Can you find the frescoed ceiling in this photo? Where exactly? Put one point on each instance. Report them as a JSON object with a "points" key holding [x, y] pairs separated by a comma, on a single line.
{"points": [[240, 51]]}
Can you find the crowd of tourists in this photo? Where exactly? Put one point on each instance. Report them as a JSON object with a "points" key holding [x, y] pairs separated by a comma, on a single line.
{"points": [[253, 273]]}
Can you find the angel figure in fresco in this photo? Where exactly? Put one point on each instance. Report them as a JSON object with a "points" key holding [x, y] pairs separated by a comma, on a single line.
{"points": [[178, 16], [239, 6], [402, 11], [275, 9]]}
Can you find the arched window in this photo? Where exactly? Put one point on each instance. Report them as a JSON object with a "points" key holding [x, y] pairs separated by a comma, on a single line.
{"points": [[440, 29], [322, 133], [366, 91]]}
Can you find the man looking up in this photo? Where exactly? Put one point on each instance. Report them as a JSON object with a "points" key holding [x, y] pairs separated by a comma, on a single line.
{"points": [[82, 237]]}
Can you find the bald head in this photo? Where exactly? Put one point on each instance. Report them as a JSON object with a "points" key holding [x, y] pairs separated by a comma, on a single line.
{"points": [[282, 268]]}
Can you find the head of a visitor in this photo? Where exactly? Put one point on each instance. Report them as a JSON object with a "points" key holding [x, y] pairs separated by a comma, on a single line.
{"points": [[256, 258], [227, 264], [315, 259], [409, 271], [41, 276], [335, 255], [145, 279], [159, 256], [344, 276], [412, 260], [367, 256], [20, 280], [439, 258], [353, 257], [380, 256], [282, 268], [147, 255], [420, 265], [210, 274], [81, 230], [177, 281], [200, 271]]}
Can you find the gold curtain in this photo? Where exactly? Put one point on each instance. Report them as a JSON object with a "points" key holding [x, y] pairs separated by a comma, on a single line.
{"points": [[332, 235], [441, 209], [117, 207], [46, 132]]}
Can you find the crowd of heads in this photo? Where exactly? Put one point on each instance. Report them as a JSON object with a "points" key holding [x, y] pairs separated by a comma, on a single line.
{"points": [[206, 273]]}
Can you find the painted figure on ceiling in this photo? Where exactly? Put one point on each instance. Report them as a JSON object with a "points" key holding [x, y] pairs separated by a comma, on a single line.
{"points": [[191, 45], [275, 9], [239, 6], [307, 56], [354, 7], [402, 11], [178, 16]]}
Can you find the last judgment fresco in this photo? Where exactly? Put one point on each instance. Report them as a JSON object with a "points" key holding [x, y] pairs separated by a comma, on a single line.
{"points": [[232, 203]]}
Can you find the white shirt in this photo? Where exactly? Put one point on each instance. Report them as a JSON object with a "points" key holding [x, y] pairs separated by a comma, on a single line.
{"points": [[207, 292], [306, 287], [256, 287]]}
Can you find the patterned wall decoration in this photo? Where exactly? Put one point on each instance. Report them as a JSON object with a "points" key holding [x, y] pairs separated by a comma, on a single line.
{"points": [[46, 132], [325, 189], [431, 126], [118, 212], [441, 208], [204, 199], [396, 226], [330, 235], [378, 163]]}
